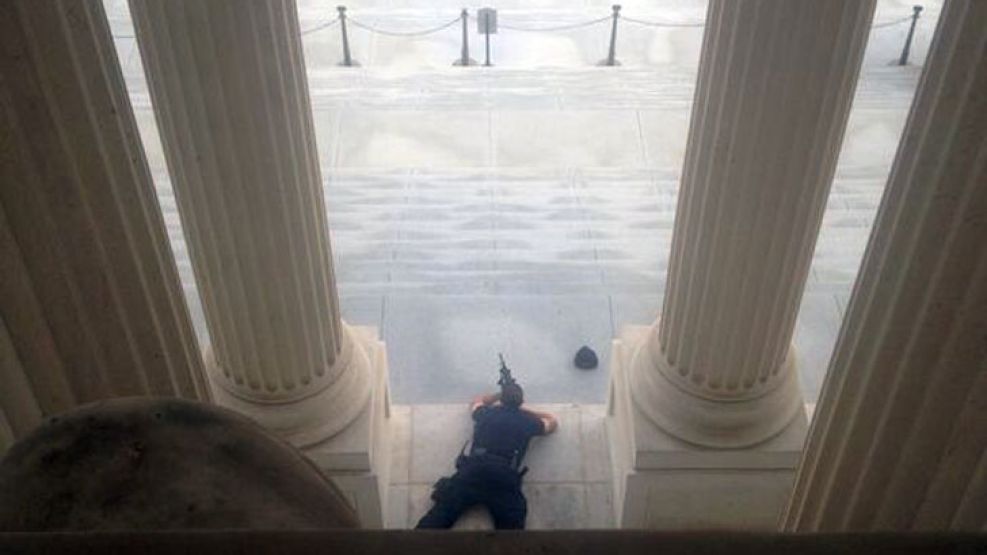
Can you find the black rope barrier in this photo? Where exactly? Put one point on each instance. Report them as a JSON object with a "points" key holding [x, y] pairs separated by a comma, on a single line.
{"points": [[342, 19], [418, 33], [556, 28], [890, 23], [321, 26], [661, 23]]}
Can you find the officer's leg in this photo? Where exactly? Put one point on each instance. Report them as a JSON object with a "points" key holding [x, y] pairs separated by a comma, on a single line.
{"points": [[508, 507], [450, 502]]}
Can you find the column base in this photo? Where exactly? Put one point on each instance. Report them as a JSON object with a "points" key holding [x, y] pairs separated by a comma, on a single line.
{"points": [[358, 458], [307, 418], [709, 418], [662, 482], [344, 429]]}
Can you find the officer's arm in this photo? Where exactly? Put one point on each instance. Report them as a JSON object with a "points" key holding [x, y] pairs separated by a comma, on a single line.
{"points": [[548, 420], [484, 400]]}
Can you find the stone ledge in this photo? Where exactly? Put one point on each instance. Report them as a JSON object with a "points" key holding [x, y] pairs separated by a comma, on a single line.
{"points": [[443, 543]]}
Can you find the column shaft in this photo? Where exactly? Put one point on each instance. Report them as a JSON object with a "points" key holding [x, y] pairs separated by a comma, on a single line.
{"points": [[90, 300], [228, 85], [19, 408], [900, 436], [776, 80]]}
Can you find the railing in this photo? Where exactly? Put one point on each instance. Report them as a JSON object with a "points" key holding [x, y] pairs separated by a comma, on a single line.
{"points": [[487, 28], [374, 542]]}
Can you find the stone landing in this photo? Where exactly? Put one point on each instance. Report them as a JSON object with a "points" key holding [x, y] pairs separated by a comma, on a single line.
{"points": [[568, 485]]}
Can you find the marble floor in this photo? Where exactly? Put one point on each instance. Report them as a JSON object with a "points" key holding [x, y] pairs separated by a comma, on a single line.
{"points": [[568, 485]]}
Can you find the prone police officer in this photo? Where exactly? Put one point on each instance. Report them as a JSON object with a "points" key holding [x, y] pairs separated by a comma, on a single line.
{"points": [[490, 474]]}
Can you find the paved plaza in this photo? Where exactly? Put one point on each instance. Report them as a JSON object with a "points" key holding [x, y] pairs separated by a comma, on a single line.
{"points": [[528, 208]]}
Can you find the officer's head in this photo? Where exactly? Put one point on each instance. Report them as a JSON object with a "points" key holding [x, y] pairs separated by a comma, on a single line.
{"points": [[511, 395]]}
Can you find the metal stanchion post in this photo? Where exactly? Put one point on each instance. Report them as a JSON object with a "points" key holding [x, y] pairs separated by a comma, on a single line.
{"points": [[911, 31], [347, 59], [486, 59], [612, 54], [464, 57]]}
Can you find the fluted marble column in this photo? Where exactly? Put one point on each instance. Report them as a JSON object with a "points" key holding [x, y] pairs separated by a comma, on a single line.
{"points": [[228, 85], [90, 302], [706, 417], [899, 440], [776, 80]]}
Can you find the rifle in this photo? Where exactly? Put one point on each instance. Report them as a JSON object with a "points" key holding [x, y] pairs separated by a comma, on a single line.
{"points": [[505, 373]]}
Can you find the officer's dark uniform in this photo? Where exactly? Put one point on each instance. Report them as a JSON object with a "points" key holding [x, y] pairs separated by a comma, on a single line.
{"points": [[490, 474]]}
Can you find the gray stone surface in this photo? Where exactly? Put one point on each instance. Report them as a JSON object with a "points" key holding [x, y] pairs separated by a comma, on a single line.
{"points": [[558, 458], [451, 345], [363, 310], [599, 505], [593, 444], [556, 506], [400, 444], [398, 506], [815, 335], [438, 432]]}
